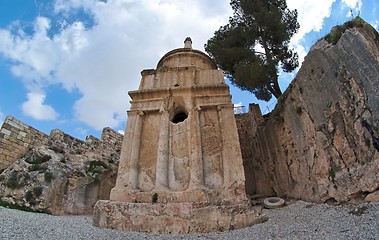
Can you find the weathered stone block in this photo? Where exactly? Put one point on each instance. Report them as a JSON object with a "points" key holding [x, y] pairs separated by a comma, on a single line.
{"points": [[5, 131], [372, 197], [174, 218]]}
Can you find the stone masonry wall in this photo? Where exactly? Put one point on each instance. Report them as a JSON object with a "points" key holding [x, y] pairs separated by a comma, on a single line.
{"points": [[16, 138], [71, 174], [247, 125], [111, 137]]}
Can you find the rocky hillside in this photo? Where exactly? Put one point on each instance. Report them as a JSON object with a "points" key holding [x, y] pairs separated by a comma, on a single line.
{"points": [[321, 143], [64, 176]]}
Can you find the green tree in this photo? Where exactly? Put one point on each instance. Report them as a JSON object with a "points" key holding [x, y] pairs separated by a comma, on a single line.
{"points": [[254, 44]]}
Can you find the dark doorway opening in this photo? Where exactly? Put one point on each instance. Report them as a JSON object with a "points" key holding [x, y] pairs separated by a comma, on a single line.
{"points": [[179, 117]]}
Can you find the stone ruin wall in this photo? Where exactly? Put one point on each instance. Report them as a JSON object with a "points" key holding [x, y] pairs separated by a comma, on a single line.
{"points": [[81, 172], [110, 140], [16, 138], [247, 126]]}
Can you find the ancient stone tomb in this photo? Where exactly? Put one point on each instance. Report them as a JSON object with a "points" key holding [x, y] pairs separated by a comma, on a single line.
{"points": [[180, 167]]}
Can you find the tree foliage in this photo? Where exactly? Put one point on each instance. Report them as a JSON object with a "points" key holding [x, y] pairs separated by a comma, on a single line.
{"points": [[254, 43]]}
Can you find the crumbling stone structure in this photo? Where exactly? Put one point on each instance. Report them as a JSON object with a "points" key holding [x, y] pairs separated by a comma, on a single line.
{"points": [[180, 169], [16, 138]]}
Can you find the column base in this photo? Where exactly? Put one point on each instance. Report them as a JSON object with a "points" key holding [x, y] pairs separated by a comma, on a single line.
{"points": [[175, 218], [208, 196]]}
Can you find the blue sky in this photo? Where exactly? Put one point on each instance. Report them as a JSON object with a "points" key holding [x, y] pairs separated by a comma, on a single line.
{"points": [[69, 64]]}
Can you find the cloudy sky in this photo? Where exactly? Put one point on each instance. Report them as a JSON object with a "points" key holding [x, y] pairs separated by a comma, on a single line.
{"points": [[69, 64]]}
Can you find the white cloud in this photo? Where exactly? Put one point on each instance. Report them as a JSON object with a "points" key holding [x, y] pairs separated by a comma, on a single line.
{"points": [[1, 118], [104, 62], [81, 132], [311, 15], [36, 108], [353, 4], [354, 7], [238, 108], [376, 25], [33, 56]]}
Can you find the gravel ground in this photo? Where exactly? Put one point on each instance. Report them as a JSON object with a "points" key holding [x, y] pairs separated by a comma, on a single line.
{"points": [[300, 220]]}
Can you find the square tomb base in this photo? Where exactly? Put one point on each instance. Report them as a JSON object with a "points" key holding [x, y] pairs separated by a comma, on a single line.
{"points": [[176, 218]]}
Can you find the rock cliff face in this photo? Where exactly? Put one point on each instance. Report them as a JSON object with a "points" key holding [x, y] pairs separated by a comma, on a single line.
{"points": [[63, 175], [322, 140]]}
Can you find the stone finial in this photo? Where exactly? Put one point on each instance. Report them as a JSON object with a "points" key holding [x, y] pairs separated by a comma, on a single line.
{"points": [[188, 43]]}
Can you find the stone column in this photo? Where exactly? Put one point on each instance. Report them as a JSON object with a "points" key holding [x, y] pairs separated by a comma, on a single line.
{"points": [[161, 178], [134, 155], [222, 126], [196, 164], [231, 151]]}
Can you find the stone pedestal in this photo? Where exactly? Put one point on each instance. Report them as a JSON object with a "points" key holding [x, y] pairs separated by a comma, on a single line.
{"points": [[180, 166], [175, 218]]}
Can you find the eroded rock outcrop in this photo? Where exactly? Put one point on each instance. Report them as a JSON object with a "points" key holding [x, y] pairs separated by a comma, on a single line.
{"points": [[62, 174], [321, 141]]}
